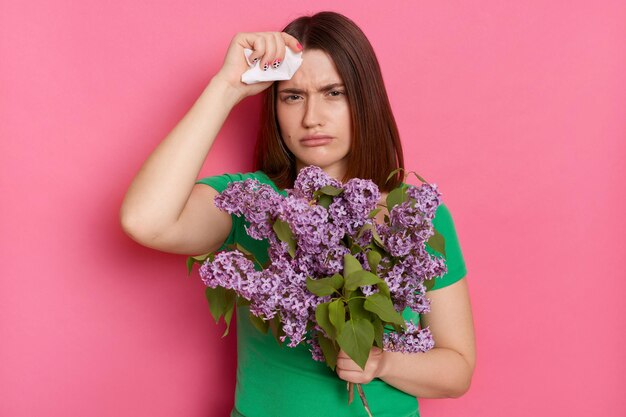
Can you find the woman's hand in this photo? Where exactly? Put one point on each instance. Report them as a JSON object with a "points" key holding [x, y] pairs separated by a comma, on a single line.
{"points": [[267, 47], [348, 370]]}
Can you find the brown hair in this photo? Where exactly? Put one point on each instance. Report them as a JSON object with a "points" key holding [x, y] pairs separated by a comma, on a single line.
{"points": [[375, 148]]}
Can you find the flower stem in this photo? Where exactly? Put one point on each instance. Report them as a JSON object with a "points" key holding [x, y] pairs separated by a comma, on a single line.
{"points": [[361, 394], [350, 392], [363, 400]]}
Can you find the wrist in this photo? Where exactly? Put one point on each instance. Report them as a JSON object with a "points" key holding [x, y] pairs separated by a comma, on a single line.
{"points": [[383, 369], [225, 89]]}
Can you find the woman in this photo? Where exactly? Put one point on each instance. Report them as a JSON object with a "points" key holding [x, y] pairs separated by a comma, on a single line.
{"points": [[333, 113]]}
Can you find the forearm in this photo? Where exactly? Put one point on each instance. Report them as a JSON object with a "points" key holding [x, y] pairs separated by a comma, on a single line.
{"points": [[438, 373], [159, 191]]}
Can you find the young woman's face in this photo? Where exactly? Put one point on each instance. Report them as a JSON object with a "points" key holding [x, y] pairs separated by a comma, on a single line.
{"points": [[314, 103]]}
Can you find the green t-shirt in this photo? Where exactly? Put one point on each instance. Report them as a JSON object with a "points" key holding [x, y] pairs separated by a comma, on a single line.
{"points": [[275, 381]]}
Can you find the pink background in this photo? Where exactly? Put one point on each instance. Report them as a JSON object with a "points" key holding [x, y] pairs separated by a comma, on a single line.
{"points": [[516, 109]]}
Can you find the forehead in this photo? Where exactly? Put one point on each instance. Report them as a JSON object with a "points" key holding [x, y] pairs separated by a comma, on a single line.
{"points": [[317, 69]]}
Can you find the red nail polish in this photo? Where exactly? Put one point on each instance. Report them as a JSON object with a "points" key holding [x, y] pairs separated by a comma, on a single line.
{"points": [[300, 46]]}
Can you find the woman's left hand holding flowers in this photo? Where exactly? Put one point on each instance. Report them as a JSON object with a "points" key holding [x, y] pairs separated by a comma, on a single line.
{"points": [[349, 371]]}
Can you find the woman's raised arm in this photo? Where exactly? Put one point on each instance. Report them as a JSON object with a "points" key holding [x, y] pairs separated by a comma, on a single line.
{"points": [[163, 208]]}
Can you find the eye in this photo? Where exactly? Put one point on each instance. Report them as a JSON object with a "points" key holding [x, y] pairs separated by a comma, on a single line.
{"points": [[332, 93], [289, 98]]}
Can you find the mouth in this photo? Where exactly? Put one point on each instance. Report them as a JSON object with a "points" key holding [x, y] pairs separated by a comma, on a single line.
{"points": [[316, 140]]}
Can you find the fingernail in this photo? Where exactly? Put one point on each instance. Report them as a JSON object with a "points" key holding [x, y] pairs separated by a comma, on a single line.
{"points": [[265, 66], [276, 64], [300, 46]]}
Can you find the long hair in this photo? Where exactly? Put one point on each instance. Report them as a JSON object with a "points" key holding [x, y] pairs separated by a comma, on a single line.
{"points": [[375, 148]]}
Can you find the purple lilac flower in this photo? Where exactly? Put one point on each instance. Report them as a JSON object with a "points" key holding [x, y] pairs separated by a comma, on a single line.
{"points": [[231, 270], [319, 234], [418, 302], [257, 202], [361, 197], [307, 222], [400, 243], [315, 349], [427, 197], [311, 179], [413, 340]]}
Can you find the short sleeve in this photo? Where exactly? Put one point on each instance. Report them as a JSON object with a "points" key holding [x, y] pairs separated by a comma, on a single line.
{"points": [[219, 183], [454, 257]]}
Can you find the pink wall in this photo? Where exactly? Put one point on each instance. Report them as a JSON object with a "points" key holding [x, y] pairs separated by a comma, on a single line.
{"points": [[516, 109]]}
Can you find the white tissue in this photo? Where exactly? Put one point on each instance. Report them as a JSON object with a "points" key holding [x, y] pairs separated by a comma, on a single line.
{"points": [[285, 71]]}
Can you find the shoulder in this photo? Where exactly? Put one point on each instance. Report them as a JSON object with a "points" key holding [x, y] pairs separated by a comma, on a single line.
{"points": [[443, 217], [220, 182]]}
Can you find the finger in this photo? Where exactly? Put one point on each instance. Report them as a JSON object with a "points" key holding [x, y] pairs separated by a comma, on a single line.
{"points": [[354, 377], [348, 364], [258, 46], [280, 50], [291, 42], [375, 353], [342, 354], [270, 51]]}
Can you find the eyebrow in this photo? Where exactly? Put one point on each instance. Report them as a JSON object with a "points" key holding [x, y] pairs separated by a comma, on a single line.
{"points": [[322, 89]]}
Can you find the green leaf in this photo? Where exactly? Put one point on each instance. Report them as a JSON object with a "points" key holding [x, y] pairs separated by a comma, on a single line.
{"points": [[328, 190], [360, 278], [284, 233], [329, 350], [246, 253], [376, 248], [373, 259], [375, 234], [383, 289], [356, 340], [242, 249], [277, 329], [373, 213], [325, 201], [394, 172], [383, 308], [418, 177], [396, 196], [355, 306], [324, 286], [220, 300], [199, 259], [354, 249], [242, 301], [350, 265], [438, 243], [379, 329], [190, 263], [397, 328], [227, 316], [337, 314], [429, 284], [259, 323], [323, 320], [202, 258]]}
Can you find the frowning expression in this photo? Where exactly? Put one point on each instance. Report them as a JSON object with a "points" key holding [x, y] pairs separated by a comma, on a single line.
{"points": [[314, 114]]}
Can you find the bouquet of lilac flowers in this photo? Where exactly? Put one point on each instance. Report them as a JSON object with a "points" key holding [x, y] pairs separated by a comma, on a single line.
{"points": [[335, 279]]}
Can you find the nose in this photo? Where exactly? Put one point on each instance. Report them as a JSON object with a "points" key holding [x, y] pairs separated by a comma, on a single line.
{"points": [[313, 112]]}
